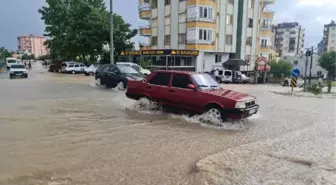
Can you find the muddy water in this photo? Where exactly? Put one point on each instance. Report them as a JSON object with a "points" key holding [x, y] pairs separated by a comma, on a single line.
{"points": [[61, 129]]}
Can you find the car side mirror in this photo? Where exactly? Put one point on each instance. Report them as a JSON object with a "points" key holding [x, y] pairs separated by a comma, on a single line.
{"points": [[192, 86]]}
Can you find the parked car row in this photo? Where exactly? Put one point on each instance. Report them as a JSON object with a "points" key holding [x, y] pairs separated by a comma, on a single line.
{"points": [[230, 76]]}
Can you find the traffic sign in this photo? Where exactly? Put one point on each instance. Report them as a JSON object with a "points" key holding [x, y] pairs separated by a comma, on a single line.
{"points": [[293, 82], [296, 73]]}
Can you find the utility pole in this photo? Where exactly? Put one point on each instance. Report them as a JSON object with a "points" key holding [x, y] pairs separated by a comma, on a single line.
{"points": [[311, 63], [111, 33], [305, 73]]}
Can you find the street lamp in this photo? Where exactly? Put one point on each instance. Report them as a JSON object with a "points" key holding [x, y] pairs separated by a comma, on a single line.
{"points": [[111, 33]]}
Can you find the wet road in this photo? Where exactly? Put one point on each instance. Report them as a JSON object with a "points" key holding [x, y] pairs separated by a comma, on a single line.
{"points": [[60, 129]]}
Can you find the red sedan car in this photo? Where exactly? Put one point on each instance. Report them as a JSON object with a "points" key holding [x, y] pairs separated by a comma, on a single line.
{"points": [[193, 92]]}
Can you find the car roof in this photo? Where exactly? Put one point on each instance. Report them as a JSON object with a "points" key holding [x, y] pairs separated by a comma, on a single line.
{"points": [[176, 72]]}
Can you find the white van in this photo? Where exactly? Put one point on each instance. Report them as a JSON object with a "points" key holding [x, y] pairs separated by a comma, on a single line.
{"points": [[11, 61]]}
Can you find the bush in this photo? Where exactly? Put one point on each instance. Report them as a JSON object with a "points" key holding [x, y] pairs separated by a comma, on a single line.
{"points": [[315, 89]]}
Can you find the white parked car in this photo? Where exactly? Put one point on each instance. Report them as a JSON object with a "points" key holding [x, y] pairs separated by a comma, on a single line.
{"points": [[246, 79], [136, 67], [18, 70], [91, 69], [72, 67]]}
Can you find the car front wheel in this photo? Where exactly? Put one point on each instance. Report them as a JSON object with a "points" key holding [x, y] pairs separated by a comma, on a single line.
{"points": [[98, 81], [121, 86], [213, 115]]}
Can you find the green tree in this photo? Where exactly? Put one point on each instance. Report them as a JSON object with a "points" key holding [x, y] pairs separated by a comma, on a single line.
{"points": [[4, 53], [279, 68], [25, 57], [80, 28], [328, 62]]}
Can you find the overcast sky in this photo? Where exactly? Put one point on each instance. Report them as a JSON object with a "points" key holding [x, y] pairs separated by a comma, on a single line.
{"points": [[20, 17]]}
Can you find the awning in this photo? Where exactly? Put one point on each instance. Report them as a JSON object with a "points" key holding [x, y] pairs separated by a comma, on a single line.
{"points": [[234, 64]]}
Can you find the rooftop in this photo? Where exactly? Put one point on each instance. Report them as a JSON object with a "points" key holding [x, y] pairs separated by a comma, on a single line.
{"points": [[287, 25]]}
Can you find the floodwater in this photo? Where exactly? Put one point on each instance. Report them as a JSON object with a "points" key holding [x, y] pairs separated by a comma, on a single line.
{"points": [[60, 129]]}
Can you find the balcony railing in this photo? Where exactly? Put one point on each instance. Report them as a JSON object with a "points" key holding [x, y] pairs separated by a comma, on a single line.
{"points": [[144, 7]]}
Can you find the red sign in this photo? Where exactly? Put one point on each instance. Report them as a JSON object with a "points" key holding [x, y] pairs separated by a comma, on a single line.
{"points": [[261, 60], [263, 67]]}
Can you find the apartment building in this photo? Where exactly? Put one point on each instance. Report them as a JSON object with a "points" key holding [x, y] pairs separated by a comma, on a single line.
{"points": [[289, 38], [266, 38], [329, 38], [32, 44], [224, 32]]}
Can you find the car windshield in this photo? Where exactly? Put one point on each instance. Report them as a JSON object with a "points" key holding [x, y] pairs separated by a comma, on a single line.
{"points": [[17, 66], [127, 69], [205, 81], [11, 61]]}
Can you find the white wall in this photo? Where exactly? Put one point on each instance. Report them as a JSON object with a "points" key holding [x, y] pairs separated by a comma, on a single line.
{"points": [[206, 61]]}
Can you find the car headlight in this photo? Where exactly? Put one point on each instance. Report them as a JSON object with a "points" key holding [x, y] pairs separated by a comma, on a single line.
{"points": [[11, 71], [240, 105]]}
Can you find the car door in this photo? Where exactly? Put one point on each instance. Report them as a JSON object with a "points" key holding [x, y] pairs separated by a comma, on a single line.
{"points": [[82, 67], [157, 87], [182, 95], [110, 75], [70, 68], [77, 68]]}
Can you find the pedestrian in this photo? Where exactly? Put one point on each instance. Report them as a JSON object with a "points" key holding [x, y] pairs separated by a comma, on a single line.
{"points": [[216, 73], [29, 65]]}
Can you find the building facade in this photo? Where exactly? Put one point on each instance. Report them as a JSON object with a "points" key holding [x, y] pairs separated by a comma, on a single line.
{"points": [[266, 40], [32, 44], [328, 42], [289, 38], [219, 29], [299, 62]]}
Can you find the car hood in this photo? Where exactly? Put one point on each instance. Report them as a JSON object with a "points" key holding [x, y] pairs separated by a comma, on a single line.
{"points": [[230, 94], [18, 70], [134, 76]]}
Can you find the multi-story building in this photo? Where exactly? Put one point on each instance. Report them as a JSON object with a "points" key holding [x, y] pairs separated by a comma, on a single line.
{"points": [[289, 38], [225, 32], [266, 40], [329, 38], [32, 44]]}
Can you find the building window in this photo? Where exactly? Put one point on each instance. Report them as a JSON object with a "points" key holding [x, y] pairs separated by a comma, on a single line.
{"points": [[296, 62], [229, 19], [167, 40], [154, 4], [154, 41], [249, 41], [250, 23], [205, 12], [292, 32], [167, 2], [228, 40], [230, 2], [319, 73], [205, 35], [250, 3], [218, 58], [263, 43], [182, 38]]}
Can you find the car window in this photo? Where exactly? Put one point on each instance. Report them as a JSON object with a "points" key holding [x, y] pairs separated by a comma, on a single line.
{"points": [[82, 65], [113, 69], [71, 65], [107, 68], [227, 73], [181, 81], [160, 79], [64, 65], [220, 72], [77, 65], [136, 67]]}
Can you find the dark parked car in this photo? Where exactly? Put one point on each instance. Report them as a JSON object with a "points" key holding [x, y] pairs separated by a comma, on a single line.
{"points": [[193, 92], [116, 75]]}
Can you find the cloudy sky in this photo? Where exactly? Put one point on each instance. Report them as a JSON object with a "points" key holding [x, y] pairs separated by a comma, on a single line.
{"points": [[20, 17]]}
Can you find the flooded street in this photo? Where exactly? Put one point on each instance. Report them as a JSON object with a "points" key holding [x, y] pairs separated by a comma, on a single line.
{"points": [[60, 129]]}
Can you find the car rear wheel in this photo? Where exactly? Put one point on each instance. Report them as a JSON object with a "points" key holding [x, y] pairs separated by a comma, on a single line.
{"points": [[73, 72]]}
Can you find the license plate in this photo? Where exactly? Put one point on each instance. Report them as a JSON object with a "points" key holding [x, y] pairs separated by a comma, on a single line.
{"points": [[18, 74], [252, 111]]}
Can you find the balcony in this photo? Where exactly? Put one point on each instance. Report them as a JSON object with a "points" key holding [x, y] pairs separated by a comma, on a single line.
{"points": [[266, 49], [268, 14], [145, 11], [266, 33], [268, 2], [145, 31]]}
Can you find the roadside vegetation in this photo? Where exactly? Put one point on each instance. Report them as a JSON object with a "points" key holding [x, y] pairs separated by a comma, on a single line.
{"points": [[328, 62], [79, 30]]}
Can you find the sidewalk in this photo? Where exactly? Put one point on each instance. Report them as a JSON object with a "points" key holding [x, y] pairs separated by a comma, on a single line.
{"points": [[299, 92]]}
